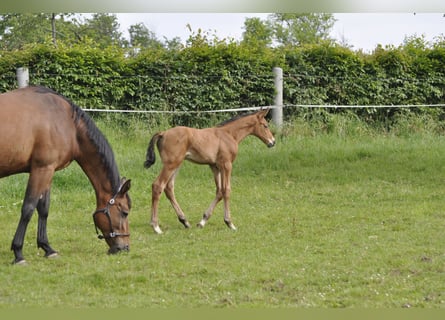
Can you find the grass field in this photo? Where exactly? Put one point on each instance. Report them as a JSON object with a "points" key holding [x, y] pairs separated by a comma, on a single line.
{"points": [[345, 218]]}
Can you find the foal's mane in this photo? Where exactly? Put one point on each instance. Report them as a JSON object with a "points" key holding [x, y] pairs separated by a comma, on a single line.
{"points": [[95, 135], [237, 117]]}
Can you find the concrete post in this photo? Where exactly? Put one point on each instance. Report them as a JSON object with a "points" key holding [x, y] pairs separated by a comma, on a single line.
{"points": [[22, 77], [277, 112]]}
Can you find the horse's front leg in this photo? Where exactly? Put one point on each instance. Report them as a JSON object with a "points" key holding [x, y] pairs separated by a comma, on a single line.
{"points": [[218, 197], [42, 236]]}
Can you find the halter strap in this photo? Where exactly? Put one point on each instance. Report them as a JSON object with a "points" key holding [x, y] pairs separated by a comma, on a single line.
{"points": [[106, 211]]}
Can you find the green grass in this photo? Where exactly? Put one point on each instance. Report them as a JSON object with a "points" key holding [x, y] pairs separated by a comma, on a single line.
{"points": [[335, 219]]}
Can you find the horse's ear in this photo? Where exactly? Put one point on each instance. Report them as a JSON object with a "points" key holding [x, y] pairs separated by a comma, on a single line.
{"points": [[125, 186]]}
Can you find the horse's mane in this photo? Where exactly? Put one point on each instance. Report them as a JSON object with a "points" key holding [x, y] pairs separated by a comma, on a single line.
{"points": [[237, 117], [96, 137]]}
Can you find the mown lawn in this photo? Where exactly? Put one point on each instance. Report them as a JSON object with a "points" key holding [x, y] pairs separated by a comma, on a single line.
{"points": [[324, 220]]}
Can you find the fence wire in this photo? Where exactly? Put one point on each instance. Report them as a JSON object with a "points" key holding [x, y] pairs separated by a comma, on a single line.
{"points": [[240, 109]]}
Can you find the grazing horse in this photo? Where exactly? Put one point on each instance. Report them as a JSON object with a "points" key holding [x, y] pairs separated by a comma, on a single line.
{"points": [[216, 146], [42, 132]]}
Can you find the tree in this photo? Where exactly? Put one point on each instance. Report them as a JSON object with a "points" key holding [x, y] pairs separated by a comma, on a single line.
{"points": [[257, 33], [103, 29], [292, 29], [141, 37], [173, 44], [17, 30]]}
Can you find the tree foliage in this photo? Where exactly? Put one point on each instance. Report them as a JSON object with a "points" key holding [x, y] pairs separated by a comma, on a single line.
{"points": [[288, 29], [294, 29], [103, 29], [257, 33], [141, 37], [20, 30]]}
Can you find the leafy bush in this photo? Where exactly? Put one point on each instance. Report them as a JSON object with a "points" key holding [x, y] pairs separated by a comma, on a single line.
{"points": [[206, 76]]}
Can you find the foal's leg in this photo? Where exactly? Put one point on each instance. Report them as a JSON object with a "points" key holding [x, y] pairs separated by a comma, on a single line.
{"points": [[218, 197], [42, 237], [226, 190], [170, 193], [157, 188]]}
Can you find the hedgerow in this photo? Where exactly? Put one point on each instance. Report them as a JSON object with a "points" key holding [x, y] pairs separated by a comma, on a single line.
{"points": [[206, 76]]}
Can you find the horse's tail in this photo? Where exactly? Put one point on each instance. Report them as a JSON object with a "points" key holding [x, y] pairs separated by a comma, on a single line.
{"points": [[151, 155]]}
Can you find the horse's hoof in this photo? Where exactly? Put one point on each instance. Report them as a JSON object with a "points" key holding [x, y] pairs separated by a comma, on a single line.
{"points": [[20, 263], [157, 230], [52, 255]]}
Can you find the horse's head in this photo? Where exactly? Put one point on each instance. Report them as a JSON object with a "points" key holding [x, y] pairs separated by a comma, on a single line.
{"points": [[112, 220], [262, 130]]}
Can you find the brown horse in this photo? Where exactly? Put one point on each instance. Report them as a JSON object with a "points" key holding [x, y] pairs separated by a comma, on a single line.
{"points": [[42, 132], [216, 146]]}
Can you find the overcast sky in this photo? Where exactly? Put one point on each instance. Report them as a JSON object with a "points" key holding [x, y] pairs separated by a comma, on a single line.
{"points": [[360, 30]]}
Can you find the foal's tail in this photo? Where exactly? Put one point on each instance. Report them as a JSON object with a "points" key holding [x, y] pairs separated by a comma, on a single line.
{"points": [[151, 156]]}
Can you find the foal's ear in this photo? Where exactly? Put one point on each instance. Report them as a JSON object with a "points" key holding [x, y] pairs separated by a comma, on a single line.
{"points": [[125, 186], [263, 112]]}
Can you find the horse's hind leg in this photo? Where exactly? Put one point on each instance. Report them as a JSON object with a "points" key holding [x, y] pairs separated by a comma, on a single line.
{"points": [[170, 193], [42, 237], [28, 207], [39, 181]]}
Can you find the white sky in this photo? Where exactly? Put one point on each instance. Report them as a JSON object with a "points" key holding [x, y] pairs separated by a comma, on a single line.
{"points": [[360, 30]]}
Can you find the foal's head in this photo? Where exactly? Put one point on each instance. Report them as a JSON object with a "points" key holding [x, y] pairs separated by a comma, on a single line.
{"points": [[262, 130]]}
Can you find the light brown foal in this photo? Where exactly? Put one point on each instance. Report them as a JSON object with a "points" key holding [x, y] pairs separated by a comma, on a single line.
{"points": [[216, 146]]}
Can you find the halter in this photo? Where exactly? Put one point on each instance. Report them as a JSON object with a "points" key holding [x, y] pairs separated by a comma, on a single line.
{"points": [[106, 211]]}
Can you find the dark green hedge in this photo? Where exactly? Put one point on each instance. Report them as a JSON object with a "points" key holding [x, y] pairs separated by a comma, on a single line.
{"points": [[205, 77]]}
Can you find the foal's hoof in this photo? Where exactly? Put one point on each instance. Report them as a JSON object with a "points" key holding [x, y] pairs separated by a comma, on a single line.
{"points": [[157, 230], [185, 223], [201, 224], [230, 225]]}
